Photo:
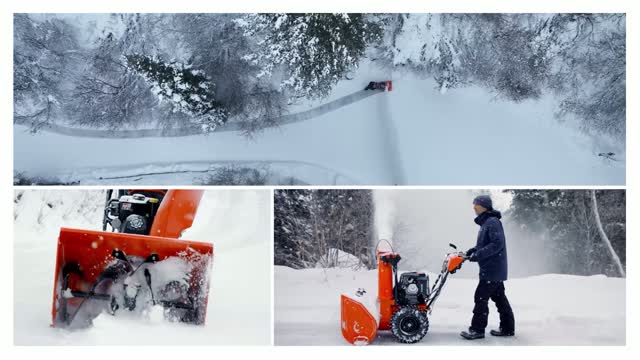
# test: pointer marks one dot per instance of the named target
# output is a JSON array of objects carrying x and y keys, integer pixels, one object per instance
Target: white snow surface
[
  {"x": 412, "y": 135},
  {"x": 549, "y": 309},
  {"x": 235, "y": 221}
]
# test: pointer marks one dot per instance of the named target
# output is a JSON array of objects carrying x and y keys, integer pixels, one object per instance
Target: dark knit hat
[{"x": 484, "y": 201}]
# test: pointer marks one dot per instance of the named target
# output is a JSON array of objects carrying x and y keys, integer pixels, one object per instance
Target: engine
[
  {"x": 412, "y": 289},
  {"x": 133, "y": 213}
]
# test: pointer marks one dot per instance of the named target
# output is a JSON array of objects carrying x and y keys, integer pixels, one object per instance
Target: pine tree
[
  {"x": 187, "y": 89},
  {"x": 291, "y": 227}
]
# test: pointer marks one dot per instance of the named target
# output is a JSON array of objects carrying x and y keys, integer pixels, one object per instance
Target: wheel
[{"x": 409, "y": 324}]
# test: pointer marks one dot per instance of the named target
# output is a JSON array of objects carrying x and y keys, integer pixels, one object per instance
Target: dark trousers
[{"x": 493, "y": 290}]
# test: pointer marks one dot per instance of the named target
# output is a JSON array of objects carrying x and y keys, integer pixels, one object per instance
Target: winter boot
[
  {"x": 501, "y": 333},
  {"x": 472, "y": 334}
]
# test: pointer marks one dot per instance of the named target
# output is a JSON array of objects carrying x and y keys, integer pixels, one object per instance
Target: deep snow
[
  {"x": 549, "y": 309},
  {"x": 413, "y": 135},
  {"x": 239, "y": 309}
]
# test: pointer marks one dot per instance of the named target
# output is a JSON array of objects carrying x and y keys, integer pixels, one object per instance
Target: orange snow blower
[
  {"x": 402, "y": 305},
  {"x": 386, "y": 85},
  {"x": 141, "y": 263}
]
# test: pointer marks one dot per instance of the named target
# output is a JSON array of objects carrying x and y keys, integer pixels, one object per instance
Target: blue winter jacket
[{"x": 491, "y": 250}]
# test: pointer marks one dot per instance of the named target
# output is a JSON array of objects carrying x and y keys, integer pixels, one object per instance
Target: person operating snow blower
[{"x": 490, "y": 253}]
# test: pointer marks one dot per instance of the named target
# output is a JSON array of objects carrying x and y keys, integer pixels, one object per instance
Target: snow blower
[
  {"x": 402, "y": 305},
  {"x": 386, "y": 85},
  {"x": 141, "y": 263}
]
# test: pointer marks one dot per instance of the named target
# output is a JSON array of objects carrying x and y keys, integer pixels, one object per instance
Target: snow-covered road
[
  {"x": 286, "y": 119},
  {"x": 549, "y": 309},
  {"x": 413, "y": 135}
]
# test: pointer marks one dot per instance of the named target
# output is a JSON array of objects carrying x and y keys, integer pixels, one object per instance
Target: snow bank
[
  {"x": 549, "y": 309},
  {"x": 236, "y": 221},
  {"x": 340, "y": 259}
]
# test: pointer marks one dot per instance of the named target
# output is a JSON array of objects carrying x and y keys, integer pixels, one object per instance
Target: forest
[{"x": 123, "y": 71}]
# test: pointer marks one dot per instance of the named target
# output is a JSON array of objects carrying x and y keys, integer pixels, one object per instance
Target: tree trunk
[{"x": 604, "y": 236}]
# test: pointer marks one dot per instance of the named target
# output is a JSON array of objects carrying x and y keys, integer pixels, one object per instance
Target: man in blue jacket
[{"x": 490, "y": 253}]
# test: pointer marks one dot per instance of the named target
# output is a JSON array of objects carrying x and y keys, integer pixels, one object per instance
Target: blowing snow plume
[
  {"x": 384, "y": 214},
  {"x": 547, "y": 231},
  {"x": 422, "y": 223}
]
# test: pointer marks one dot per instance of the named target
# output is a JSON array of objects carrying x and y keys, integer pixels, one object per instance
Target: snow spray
[{"x": 383, "y": 201}]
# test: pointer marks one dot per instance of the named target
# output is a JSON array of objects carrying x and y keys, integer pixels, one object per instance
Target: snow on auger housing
[
  {"x": 128, "y": 270},
  {"x": 402, "y": 305}
]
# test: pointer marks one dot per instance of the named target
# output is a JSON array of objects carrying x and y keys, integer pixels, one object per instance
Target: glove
[{"x": 471, "y": 254}]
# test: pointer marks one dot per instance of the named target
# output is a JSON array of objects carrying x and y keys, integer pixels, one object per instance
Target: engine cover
[
  {"x": 412, "y": 289},
  {"x": 139, "y": 205}
]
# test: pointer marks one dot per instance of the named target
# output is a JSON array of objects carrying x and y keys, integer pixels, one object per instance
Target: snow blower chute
[
  {"x": 140, "y": 264},
  {"x": 402, "y": 305}
]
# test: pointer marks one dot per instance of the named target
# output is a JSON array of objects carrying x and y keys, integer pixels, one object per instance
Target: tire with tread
[{"x": 409, "y": 324}]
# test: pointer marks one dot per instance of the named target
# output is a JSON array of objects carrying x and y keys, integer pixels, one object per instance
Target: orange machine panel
[
  {"x": 92, "y": 252},
  {"x": 176, "y": 213},
  {"x": 385, "y": 290},
  {"x": 455, "y": 263},
  {"x": 357, "y": 324}
]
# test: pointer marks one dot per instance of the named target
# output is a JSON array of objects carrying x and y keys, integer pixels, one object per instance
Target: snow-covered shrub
[
  {"x": 236, "y": 175},
  {"x": 26, "y": 180}
]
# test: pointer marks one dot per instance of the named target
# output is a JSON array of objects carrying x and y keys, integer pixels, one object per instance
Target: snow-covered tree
[
  {"x": 319, "y": 227},
  {"x": 314, "y": 51},
  {"x": 44, "y": 56},
  {"x": 427, "y": 43},
  {"x": 216, "y": 45},
  {"x": 588, "y": 52},
  {"x": 291, "y": 228},
  {"x": 187, "y": 89},
  {"x": 603, "y": 234},
  {"x": 105, "y": 93},
  {"x": 564, "y": 224}
]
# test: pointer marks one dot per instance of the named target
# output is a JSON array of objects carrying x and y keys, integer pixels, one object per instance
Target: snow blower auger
[
  {"x": 402, "y": 305},
  {"x": 128, "y": 270}
]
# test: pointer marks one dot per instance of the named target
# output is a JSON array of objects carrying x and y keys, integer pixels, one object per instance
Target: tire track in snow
[
  {"x": 389, "y": 138},
  {"x": 190, "y": 131},
  {"x": 202, "y": 166}
]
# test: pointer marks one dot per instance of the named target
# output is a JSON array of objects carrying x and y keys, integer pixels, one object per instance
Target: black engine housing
[
  {"x": 412, "y": 289},
  {"x": 133, "y": 214}
]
